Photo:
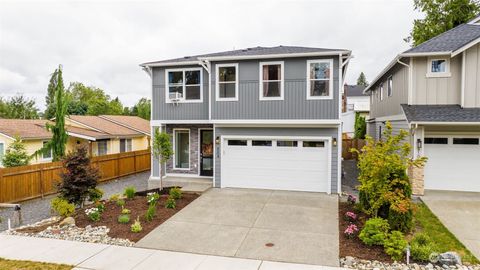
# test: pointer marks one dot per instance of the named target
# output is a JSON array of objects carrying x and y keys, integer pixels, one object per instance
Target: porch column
[
  {"x": 155, "y": 171},
  {"x": 416, "y": 175}
]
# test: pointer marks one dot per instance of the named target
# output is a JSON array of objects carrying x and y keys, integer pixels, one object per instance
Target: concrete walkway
[
  {"x": 105, "y": 257},
  {"x": 288, "y": 226},
  {"x": 460, "y": 213}
]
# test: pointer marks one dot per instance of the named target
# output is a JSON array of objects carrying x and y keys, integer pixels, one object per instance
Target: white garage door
[
  {"x": 273, "y": 163},
  {"x": 453, "y": 163}
]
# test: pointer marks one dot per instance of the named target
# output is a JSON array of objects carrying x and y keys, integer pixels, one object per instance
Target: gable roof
[
  {"x": 354, "y": 90},
  {"x": 133, "y": 122},
  {"x": 249, "y": 53},
  {"x": 26, "y": 129},
  {"x": 440, "y": 113},
  {"x": 102, "y": 125}
]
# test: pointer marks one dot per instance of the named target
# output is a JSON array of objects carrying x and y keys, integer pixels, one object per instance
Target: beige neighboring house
[{"x": 105, "y": 134}]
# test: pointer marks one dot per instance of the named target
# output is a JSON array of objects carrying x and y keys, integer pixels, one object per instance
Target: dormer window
[
  {"x": 184, "y": 85},
  {"x": 438, "y": 67}
]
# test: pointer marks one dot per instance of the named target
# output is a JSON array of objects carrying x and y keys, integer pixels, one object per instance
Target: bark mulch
[
  {"x": 138, "y": 207},
  {"x": 354, "y": 246}
]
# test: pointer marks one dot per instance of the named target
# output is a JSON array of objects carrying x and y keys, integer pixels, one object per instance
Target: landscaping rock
[
  {"x": 449, "y": 258},
  {"x": 354, "y": 263},
  {"x": 67, "y": 221}
]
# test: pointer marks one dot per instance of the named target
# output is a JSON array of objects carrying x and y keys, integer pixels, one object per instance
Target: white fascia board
[
  {"x": 445, "y": 123},
  {"x": 380, "y": 75},
  {"x": 166, "y": 64},
  {"x": 397, "y": 117},
  {"x": 270, "y": 122},
  {"x": 76, "y": 135},
  {"x": 9, "y": 137},
  {"x": 157, "y": 123},
  {"x": 425, "y": 54},
  {"x": 466, "y": 47},
  {"x": 268, "y": 56}
]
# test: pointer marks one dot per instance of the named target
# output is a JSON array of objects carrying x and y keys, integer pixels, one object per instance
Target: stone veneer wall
[
  {"x": 194, "y": 137},
  {"x": 417, "y": 179}
]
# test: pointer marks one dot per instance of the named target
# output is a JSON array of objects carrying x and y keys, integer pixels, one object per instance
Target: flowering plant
[
  {"x": 351, "y": 230},
  {"x": 350, "y": 216},
  {"x": 93, "y": 214},
  {"x": 351, "y": 199},
  {"x": 152, "y": 197}
]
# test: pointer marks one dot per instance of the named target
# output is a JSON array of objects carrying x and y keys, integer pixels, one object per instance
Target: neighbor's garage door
[
  {"x": 282, "y": 164},
  {"x": 453, "y": 163}
]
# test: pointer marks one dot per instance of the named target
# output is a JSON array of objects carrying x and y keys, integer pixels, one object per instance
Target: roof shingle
[
  {"x": 26, "y": 129},
  {"x": 440, "y": 113}
]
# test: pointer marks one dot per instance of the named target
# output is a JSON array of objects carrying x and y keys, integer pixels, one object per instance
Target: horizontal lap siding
[{"x": 245, "y": 131}]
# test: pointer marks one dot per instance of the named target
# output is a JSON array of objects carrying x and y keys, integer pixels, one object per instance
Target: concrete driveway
[
  {"x": 302, "y": 226},
  {"x": 460, "y": 213}
]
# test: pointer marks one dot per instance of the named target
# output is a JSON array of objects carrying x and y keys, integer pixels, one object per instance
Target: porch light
[
  {"x": 419, "y": 143},
  {"x": 217, "y": 140},
  {"x": 334, "y": 142}
]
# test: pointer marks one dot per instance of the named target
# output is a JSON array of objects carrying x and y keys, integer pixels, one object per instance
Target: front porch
[{"x": 188, "y": 184}]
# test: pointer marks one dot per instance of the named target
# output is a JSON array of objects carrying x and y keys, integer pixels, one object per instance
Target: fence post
[
  {"x": 1, "y": 183},
  {"x": 135, "y": 161}
]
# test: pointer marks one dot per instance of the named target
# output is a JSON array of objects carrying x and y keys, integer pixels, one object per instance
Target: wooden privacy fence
[
  {"x": 348, "y": 144},
  {"x": 34, "y": 181}
]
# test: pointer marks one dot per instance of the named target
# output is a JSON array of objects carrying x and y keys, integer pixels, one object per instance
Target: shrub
[
  {"x": 151, "y": 211},
  {"x": 120, "y": 202},
  {"x": 129, "y": 192},
  {"x": 170, "y": 203},
  {"x": 152, "y": 197},
  {"x": 93, "y": 214},
  {"x": 351, "y": 199},
  {"x": 400, "y": 221},
  {"x": 351, "y": 230},
  {"x": 95, "y": 194},
  {"x": 175, "y": 193},
  {"x": 125, "y": 211},
  {"x": 136, "y": 226},
  {"x": 421, "y": 247},
  {"x": 123, "y": 219},
  {"x": 374, "y": 232},
  {"x": 395, "y": 245},
  {"x": 62, "y": 207},
  {"x": 100, "y": 206},
  {"x": 78, "y": 177},
  {"x": 15, "y": 155},
  {"x": 350, "y": 216},
  {"x": 114, "y": 197}
]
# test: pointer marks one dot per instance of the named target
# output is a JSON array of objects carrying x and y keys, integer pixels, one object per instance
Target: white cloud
[{"x": 102, "y": 43}]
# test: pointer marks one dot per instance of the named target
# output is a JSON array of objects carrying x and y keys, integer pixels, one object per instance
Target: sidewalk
[{"x": 99, "y": 256}]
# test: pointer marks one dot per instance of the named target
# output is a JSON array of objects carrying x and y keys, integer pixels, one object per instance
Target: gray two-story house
[
  {"x": 433, "y": 92},
  {"x": 262, "y": 117}
]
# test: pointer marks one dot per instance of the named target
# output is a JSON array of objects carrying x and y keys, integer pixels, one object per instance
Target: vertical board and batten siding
[
  {"x": 397, "y": 125},
  {"x": 183, "y": 111},
  {"x": 294, "y": 105},
  {"x": 433, "y": 90},
  {"x": 34, "y": 181},
  {"x": 472, "y": 73},
  {"x": 390, "y": 105},
  {"x": 245, "y": 131}
]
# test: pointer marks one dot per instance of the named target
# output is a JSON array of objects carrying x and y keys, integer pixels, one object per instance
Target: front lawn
[
  {"x": 428, "y": 223},
  {"x": 28, "y": 265}
]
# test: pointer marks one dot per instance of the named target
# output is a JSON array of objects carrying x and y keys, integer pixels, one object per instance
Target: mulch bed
[
  {"x": 354, "y": 246},
  {"x": 138, "y": 207}
]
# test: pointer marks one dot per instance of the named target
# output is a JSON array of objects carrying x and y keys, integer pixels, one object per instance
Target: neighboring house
[
  {"x": 263, "y": 117},
  {"x": 433, "y": 92},
  {"x": 104, "y": 134},
  {"x": 355, "y": 101}
]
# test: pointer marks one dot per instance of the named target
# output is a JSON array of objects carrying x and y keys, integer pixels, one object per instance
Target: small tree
[
  {"x": 78, "y": 177},
  {"x": 360, "y": 126},
  {"x": 161, "y": 146},
  {"x": 385, "y": 189},
  {"x": 16, "y": 154},
  {"x": 362, "y": 80}
]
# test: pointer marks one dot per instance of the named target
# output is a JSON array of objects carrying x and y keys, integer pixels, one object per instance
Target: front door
[{"x": 206, "y": 152}]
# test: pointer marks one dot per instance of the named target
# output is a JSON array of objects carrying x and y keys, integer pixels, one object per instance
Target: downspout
[{"x": 339, "y": 127}]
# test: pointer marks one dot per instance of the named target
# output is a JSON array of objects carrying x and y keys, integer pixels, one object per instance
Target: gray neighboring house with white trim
[
  {"x": 433, "y": 92},
  {"x": 261, "y": 117}
]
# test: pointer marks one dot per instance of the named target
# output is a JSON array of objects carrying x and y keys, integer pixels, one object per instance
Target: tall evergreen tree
[
  {"x": 362, "y": 80},
  {"x": 440, "y": 16},
  {"x": 50, "y": 98}
]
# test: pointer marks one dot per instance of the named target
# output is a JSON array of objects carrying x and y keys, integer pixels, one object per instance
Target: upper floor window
[
  {"x": 381, "y": 91},
  {"x": 390, "y": 86},
  {"x": 319, "y": 79},
  {"x": 438, "y": 67},
  {"x": 227, "y": 82},
  {"x": 184, "y": 85},
  {"x": 271, "y": 80}
]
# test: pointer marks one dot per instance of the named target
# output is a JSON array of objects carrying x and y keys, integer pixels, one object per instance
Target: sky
[{"x": 102, "y": 43}]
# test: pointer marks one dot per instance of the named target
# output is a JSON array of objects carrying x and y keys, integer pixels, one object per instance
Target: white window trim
[
  {"x": 51, "y": 153},
  {"x": 389, "y": 79},
  {"x": 126, "y": 144},
  {"x": 183, "y": 100},
  {"x": 380, "y": 89},
  {"x": 217, "y": 83},
  {"x": 174, "y": 149},
  {"x": 330, "y": 84},
  {"x": 431, "y": 74},
  {"x": 282, "y": 73},
  {"x": 106, "y": 146}
]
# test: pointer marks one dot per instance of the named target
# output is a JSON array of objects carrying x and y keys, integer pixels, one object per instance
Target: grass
[
  {"x": 28, "y": 265},
  {"x": 444, "y": 240}
]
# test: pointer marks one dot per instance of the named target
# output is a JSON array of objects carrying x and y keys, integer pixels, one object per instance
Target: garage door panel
[{"x": 271, "y": 167}]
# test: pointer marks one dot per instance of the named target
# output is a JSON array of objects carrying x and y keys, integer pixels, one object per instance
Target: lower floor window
[
  {"x": 473, "y": 141},
  {"x": 436, "y": 140},
  {"x": 313, "y": 144},
  {"x": 47, "y": 155},
  {"x": 182, "y": 149},
  {"x": 2, "y": 150},
  {"x": 125, "y": 145},
  {"x": 102, "y": 147}
]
